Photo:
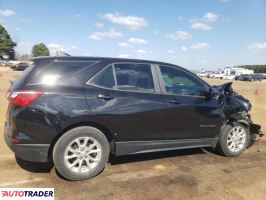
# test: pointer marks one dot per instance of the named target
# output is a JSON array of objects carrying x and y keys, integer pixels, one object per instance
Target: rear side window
[
  {"x": 134, "y": 77},
  {"x": 105, "y": 78},
  {"x": 126, "y": 76},
  {"x": 20, "y": 80},
  {"x": 57, "y": 71}
]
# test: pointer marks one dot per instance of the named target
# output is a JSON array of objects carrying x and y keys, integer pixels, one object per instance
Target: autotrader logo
[{"x": 27, "y": 193}]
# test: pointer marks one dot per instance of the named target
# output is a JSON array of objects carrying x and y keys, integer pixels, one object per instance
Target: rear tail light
[
  {"x": 23, "y": 97},
  {"x": 15, "y": 140}
]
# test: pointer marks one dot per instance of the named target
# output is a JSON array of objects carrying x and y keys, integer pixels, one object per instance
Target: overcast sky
[{"x": 194, "y": 34}]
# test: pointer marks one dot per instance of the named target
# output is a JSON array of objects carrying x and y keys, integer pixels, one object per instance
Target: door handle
[
  {"x": 105, "y": 97},
  {"x": 173, "y": 101}
]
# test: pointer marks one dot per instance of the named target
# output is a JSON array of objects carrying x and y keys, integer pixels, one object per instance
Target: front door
[{"x": 189, "y": 114}]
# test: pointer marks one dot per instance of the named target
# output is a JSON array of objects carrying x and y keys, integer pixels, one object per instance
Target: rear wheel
[
  {"x": 81, "y": 153},
  {"x": 234, "y": 139}
]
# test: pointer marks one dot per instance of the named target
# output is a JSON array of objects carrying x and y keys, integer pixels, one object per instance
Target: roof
[{"x": 107, "y": 59}]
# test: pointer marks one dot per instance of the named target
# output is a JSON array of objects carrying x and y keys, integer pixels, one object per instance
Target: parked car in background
[
  {"x": 253, "y": 77},
  {"x": 210, "y": 74},
  {"x": 228, "y": 77},
  {"x": 202, "y": 74},
  {"x": 263, "y": 76},
  {"x": 241, "y": 77},
  {"x": 11, "y": 65},
  {"x": 76, "y": 111},
  {"x": 218, "y": 75},
  {"x": 21, "y": 66}
]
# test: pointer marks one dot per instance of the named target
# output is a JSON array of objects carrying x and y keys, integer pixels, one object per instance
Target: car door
[
  {"x": 125, "y": 98},
  {"x": 190, "y": 114}
]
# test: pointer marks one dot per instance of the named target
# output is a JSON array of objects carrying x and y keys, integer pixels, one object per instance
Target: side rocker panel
[{"x": 136, "y": 147}]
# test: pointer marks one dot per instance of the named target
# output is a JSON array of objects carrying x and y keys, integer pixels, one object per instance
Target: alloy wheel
[
  {"x": 82, "y": 154},
  {"x": 236, "y": 139}
]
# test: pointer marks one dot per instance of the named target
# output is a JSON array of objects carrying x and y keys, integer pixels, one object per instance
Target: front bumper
[
  {"x": 255, "y": 129},
  {"x": 28, "y": 152}
]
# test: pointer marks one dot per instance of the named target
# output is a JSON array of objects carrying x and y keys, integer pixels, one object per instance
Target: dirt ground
[{"x": 185, "y": 174}]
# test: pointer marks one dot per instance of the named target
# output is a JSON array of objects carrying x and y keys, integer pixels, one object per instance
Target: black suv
[{"x": 76, "y": 111}]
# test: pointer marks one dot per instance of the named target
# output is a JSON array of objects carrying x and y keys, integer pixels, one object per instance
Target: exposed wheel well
[
  {"x": 231, "y": 121},
  {"x": 100, "y": 127},
  {"x": 242, "y": 122}
]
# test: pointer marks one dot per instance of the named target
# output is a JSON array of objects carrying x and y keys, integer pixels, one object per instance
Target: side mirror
[
  {"x": 211, "y": 92},
  {"x": 214, "y": 93}
]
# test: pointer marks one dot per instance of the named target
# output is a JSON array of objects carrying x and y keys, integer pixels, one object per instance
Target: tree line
[
  {"x": 256, "y": 68},
  {"x": 7, "y": 46}
]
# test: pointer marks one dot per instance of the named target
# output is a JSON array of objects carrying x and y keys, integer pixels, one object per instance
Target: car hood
[{"x": 230, "y": 101}]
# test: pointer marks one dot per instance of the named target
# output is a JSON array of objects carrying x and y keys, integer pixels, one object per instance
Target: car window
[
  {"x": 57, "y": 71},
  {"x": 136, "y": 77},
  {"x": 178, "y": 82},
  {"x": 105, "y": 78},
  {"x": 21, "y": 79}
]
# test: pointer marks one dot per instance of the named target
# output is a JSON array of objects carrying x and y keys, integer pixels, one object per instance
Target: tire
[
  {"x": 226, "y": 145},
  {"x": 81, "y": 153}
]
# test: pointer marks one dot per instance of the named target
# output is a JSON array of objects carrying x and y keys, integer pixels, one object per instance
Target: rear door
[{"x": 126, "y": 98}]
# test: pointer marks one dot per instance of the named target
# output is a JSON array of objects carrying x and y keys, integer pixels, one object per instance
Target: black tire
[
  {"x": 69, "y": 137},
  {"x": 223, "y": 147}
]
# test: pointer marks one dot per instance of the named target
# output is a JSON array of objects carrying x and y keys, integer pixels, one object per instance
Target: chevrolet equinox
[{"x": 76, "y": 111}]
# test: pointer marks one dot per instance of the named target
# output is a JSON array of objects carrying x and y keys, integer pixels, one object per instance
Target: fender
[
  {"x": 255, "y": 129},
  {"x": 243, "y": 121}
]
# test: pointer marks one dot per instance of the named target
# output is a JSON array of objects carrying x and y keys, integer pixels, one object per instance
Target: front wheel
[
  {"x": 81, "y": 153},
  {"x": 234, "y": 139}
]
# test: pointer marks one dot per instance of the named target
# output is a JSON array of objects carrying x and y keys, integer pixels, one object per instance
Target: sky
[{"x": 195, "y": 34}]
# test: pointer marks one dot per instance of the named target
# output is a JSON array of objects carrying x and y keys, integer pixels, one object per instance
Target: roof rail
[{"x": 61, "y": 53}]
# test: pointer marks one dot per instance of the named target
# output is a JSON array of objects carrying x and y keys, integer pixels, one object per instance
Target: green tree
[
  {"x": 40, "y": 50},
  {"x": 6, "y": 44},
  {"x": 256, "y": 68}
]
